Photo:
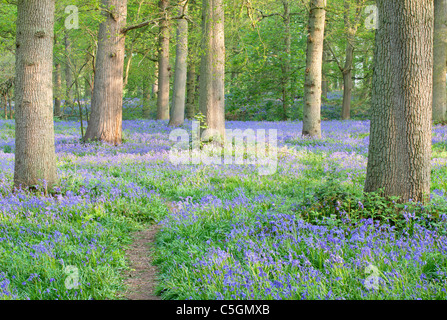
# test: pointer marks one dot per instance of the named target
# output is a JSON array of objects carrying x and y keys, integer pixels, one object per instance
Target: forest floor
[{"x": 127, "y": 223}]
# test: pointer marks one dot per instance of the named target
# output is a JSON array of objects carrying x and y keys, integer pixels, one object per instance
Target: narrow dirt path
[{"x": 141, "y": 279}]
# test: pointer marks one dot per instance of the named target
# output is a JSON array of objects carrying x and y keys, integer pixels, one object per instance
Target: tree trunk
[
  {"x": 57, "y": 90},
  {"x": 347, "y": 82},
  {"x": 286, "y": 94},
  {"x": 367, "y": 84},
  {"x": 339, "y": 84},
  {"x": 191, "y": 91},
  {"x": 57, "y": 87},
  {"x": 11, "y": 112},
  {"x": 146, "y": 101},
  {"x": 87, "y": 96},
  {"x": 212, "y": 67},
  {"x": 155, "y": 84},
  {"x": 128, "y": 65},
  {"x": 312, "y": 83},
  {"x": 105, "y": 123},
  {"x": 347, "y": 68},
  {"x": 5, "y": 101},
  {"x": 35, "y": 157},
  {"x": 400, "y": 139},
  {"x": 194, "y": 47},
  {"x": 68, "y": 71},
  {"x": 324, "y": 88},
  {"x": 439, "y": 62},
  {"x": 324, "y": 81},
  {"x": 150, "y": 93},
  {"x": 163, "y": 65},
  {"x": 181, "y": 62},
  {"x": 87, "y": 89}
]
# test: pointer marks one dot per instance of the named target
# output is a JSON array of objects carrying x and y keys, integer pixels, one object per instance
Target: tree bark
[
  {"x": 105, "y": 123},
  {"x": 35, "y": 157},
  {"x": 180, "y": 76},
  {"x": 347, "y": 80},
  {"x": 191, "y": 90},
  {"x": 400, "y": 138},
  {"x": 314, "y": 61},
  {"x": 439, "y": 62},
  {"x": 163, "y": 64},
  {"x": 212, "y": 67}
]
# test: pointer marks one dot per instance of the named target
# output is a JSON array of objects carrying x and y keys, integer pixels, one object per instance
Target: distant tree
[
  {"x": 212, "y": 67},
  {"x": 313, "y": 77},
  {"x": 194, "y": 40},
  {"x": 180, "y": 76},
  {"x": 6, "y": 80},
  {"x": 400, "y": 139},
  {"x": 69, "y": 92},
  {"x": 324, "y": 77},
  {"x": 35, "y": 157},
  {"x": 163, "y": 63},
  {"x": 280, "y": 19},
  {"x": 150, "y": 92},
  {"x": 57, "y": 88},
  {"x": 351, "y": 26},
  {"x": 439, "y": 62},
  {"x": 286, "y": 92},
  {"x": 105, "y": 123},
  {"x": 191, "y": 89},
  {"x": 5, "y": 91}
]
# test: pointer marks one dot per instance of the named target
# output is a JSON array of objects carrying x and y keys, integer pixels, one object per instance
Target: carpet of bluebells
[{"x": 232, "y": 234}]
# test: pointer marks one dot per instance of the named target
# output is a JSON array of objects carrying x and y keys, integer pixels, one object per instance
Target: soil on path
[{"x": 141, "y": 278}]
